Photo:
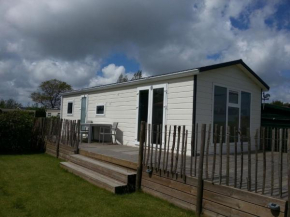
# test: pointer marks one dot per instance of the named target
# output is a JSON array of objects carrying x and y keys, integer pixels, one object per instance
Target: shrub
[{"x": 16, "y": 133}]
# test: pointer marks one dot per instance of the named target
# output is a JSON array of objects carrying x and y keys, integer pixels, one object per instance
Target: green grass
[{"x": 35, "y": 185}]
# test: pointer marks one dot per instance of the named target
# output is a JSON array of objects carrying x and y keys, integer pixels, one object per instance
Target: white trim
[
  {"x": 100, "y": 104},
  {"x": 70, "y": 114},
  {"x": 86, "y": 114}
]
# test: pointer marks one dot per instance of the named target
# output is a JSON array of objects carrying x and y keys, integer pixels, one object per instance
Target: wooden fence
[
  {"x": 260, "y": 168},
  {"x": 62, "y": 137}
]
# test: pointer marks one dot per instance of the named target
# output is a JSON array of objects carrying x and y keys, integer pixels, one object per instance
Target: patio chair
[
  {"x": 84, "y": 130},
  {"x": 112, "y": 131}
]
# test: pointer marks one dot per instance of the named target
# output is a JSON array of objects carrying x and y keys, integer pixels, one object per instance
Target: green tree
[
  {"x": 279, "y": 103},
  {"x": 137, "y": 75},
  {"x": 9, "y": 104},
  {"x": 48, "y": 93},
  {"x": 122, "y": 78}
]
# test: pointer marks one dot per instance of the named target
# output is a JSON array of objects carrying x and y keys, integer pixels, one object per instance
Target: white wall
[
  {"x": 231, "y": 77},
  {"x": 120, "y": 106}
]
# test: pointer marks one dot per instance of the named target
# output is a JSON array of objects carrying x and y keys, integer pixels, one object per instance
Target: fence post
[
  {"x": 200, "y": 173},
  {"x": 59, "y": 123},
  {"x": 140, "y": 157},
  {"x": 78, "y": 142}
]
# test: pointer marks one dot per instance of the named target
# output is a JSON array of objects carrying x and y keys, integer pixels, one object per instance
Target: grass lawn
[{"x": 35, "y": 185}]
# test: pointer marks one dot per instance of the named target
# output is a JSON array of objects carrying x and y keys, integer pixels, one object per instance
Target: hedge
[{"x": 16, "y": 133}]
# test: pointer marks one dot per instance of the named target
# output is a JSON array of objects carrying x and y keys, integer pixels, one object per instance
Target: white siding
[
  {"x": 230, "y": 77},
  {"x": 76, "y": 107},
  {"x": 120, "y": 106}
]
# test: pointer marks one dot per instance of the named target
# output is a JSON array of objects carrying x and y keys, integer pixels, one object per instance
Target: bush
[{"x": 16, "y": 133}]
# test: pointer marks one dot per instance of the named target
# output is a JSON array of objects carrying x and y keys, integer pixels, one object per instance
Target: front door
[{"x": 151, "y": 108}]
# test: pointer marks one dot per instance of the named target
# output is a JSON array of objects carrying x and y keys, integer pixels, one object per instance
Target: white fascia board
[{"x": 135, "y": 82}]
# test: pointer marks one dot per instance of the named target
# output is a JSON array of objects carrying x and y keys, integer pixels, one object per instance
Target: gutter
[{"x": 135, "y": 82}]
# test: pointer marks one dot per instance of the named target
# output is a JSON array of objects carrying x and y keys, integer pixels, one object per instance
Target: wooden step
[
  {"x": 112, "y": 160},
  {"x": 95, "y": 178},
  {"x": 122, "y": 174}
]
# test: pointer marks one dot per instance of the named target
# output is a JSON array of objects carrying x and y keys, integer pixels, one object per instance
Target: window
[
  {"x": 100, "y": 109},
  {"x": 231, "y": 108},
  {"x": 48, "y": 114},
  {"x": 69, "y": 108}
]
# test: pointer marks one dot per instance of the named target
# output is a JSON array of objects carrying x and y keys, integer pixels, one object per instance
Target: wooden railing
[{"x": 256, "y": 164}]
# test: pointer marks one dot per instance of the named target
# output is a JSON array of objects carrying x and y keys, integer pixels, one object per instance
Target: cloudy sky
[{"x": 91, "y": 42}]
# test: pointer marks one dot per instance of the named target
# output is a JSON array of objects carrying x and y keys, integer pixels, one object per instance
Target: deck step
[
  {"x": 96, "y": 178},
  {"x": 122, "y": 174}
]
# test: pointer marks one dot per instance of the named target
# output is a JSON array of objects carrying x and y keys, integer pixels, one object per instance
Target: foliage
[
  {"x": 35, "y": 185},
  {"x": 49, "y": 92},
  {"x": 122, "y": 78},
  {"x": 280, "y": 103},
  {"x": 137, "y": 75},
  {"x": 39, "y": 112},
  {"x": 9, "y": 104},
  {"x": 16, "y": 133}
]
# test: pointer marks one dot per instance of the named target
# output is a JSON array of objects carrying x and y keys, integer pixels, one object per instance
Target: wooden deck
[{"x": 128, "y": 156}]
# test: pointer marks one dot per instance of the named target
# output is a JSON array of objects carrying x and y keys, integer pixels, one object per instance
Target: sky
[{"x": 91, "y": 42}]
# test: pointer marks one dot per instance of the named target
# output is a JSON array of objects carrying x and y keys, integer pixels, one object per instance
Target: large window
[
  {"x": 69, "y": 108},
  {"x": 231, "y": 108}
]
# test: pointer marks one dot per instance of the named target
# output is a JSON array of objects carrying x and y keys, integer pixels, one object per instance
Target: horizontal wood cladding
[{"x": 217, "y": 200}]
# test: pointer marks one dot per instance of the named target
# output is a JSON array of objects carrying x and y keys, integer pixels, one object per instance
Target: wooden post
[
  {"x": 288, "y": 171},
  {"x": 280, "y": 169},
  {"x": 152, "y": 148},
  {"x": 272, "y": 160},
  {"x": 199, "y": 194},
  {"x": 192, "y": 147},
  {"x": 182, "y": 150},
  {"x": 264, "y": 162},
  {"x": 214, "y": 153},
  {"x": 195, "y": 149},
  {"x": 160, "y": 148},
  {"x": 177, "y": 151},
  {"x": 242, "y": 160},
  {"x": 167, "y": 154},
  {"x": 228, "y": 156},
  {"x": 184, "y": 163},
  {"x": 256, "y": 160},
  {"x": 249, "y": 161},
  {"x": 78, "y": 136},
  {"x": 164, "y": 152},
  {"x": 236, "y": 158},
  {"x": 221, "y": 155},
  {"x": 59, "y": 122},
  {"x": 140, "y": 157},
  {"x": 172, "y": 150},
  {"x": 145, "y": 145},
  {"x": 156, "y": 147},
  {"x": 207, "y": 151}
]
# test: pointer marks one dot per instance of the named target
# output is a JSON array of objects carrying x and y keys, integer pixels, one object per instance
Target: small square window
[
  {"x": 48, "y": 114},
  {"x": 100, "y": 109},
  {"x": 233, "y": 97},
  {"x": 69, "y": 108}
]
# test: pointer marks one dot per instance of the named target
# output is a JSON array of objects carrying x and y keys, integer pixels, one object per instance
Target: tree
[
  {"x": 9, "y": 104},
  {"x": 122, "y": 78},
  {"x": 49, "y": 92},
  {"x": 137, "y": 75},
  {"x": 279, "y": 103}
]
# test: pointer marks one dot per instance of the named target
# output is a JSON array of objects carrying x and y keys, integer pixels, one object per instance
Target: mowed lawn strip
[{"x": 35, "y": 185}]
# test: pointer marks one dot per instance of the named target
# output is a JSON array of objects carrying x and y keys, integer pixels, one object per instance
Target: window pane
[
  {"x": 245, "y": 112},
  {"x": 100, "y": 109},
  {"x": 233, "y": 120},
  {"x": 143, "y": 109},
  {"x": 220, "y": 106},
  {"x": 69, "y": 107},
  {"x": 157, "y": 113},
  {"x": 233, "y": 97}
]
